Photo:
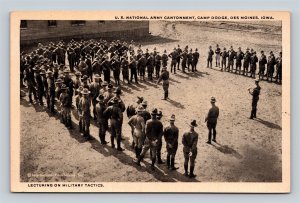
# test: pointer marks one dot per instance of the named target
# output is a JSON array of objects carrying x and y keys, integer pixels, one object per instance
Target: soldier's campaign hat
[
  {"x": 261, "y": 51},
  {"x": 77, "y": 73},
  {"x": 64, "y": 87},
  {"x": 196, "y": 49},
  {"x": 67, "y": 70},
  {"x": 172, "y": 118},
  {"x": 224, "y": 48},
  {"x": 85, "y": 77},
  {"x": 193, "y": 123},
  {"x": 36, "y": 68},
  {"x": 110, "y": 86},
  {"x": 97, "y": 76},
  {"x": 154, "y": 49},
  {"x": 104, "y": 83},
  {"x": 115, "y": 100},
  {"x": 165, "y": 51},
  {"x": 100, "y": 98},
  {"x": 209, "y": 47},
  {"x": 80, "y": 88},
  {"x": 140, "y": 98},
  {"x": 58, "y": 80},
  {"x": 144, "y": 103},
  {"x": 118, "y": 91},
  {"x": 256, "y": 80},
  {"x": 239, "y": 48},
  {"x": 164, "y": 68},
  {"x": 213, "y": 100},
  {"x": 43, "y": 72},
  {"x": 271, "y": 52},
  {"x": 85, "y": 91},
  {"x": 49, "y": 72},
  {"x": 247, "y": 49},
  {"x": 154, "y": 111},
  {"x": 140, "y": 109}
]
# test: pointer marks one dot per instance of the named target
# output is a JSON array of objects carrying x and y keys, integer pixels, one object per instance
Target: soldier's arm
[
  {"x": 183, "y": 140},
  {"x": 195, "y": 141}
]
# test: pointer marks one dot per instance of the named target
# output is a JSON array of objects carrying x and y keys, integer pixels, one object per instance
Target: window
[
  {"x": 77, "y": 22},
  {"x": 52, "y": 23},
  {"x": 101, "y": 22},
  {"x": 23, "y": 24}
]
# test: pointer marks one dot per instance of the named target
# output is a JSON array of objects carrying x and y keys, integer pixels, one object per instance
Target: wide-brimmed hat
[
  {"x": 140, "y": 109},
  {"x": 140, "y": 98},
  {"x": 115, "y": 100},
  {"x": 154, "y": 111},
  {"x": 144, "y": 103},
  {"x": 172, "y": 118},
  {"x": 67, "y": 70},
  {"x": 80, "y": 88},
  {"x": 97, "y": 76},
  {"x": 85, "y": 77},
  {"x": 43, "y": 72},
  {"x": 100, "y": 98},
  {"x": 159, "y": 114},
  {"x": 212, "y": 99},
  {"x": 78, "y": 73},
  {"x": 118, "y": 90},
  {"x": 85, "y": 91},
  {"x": 64, "y": 87},
  {"x": 58, "y": 80},
  {"x": 256, "y": 80},
  {"x": 110, "y": 86},
  {"x": 104, "y": 83},
  {"x": 193, "y": 123}
]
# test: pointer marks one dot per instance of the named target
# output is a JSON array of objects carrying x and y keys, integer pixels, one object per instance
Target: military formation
[
  {"x": 76, "y": 77},
  {"x": 245, "y": 63}
]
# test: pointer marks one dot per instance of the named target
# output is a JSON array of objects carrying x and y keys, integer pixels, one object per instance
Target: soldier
[
  {"x": 231, "y": 57},
  {"x": 190, "y": 60},
  {"x": 69, "y": 83},
  {"x": 239, "y": 57},
  {"x": 158, "y": 64},
  {"x": 154, "y": 130},
  {"x": 210, "y": 57},
  {"x": 262, "y": 65},
  {"x": 77, "y": 100},
  {"x": 179, "y": 51},
  {"x": 255, "y": 97},
  {"x": 146, "y": 115},
  {"x": 114, "y": 113},
  {"x": 71, "y": 58},
  {"x": 173, "y": 57},
  {"x": 142, "y": 63},
  {"x": 106, "y": 69},
  {"x": 58, "y": 84},
  {"x": 108, "y": 95},
  {"x": 104, "y": 88},
  {"x": 50, "y": 92},
  {"x": 125, "y": 69},
  {"x": 131, "y": 109},
  {"x": 77, "y": 81},
  {"x": 39, "y": 85},
  {"x": 85, "y": 83},
  {"x": 137, "y": 124},
  {"x": 270, "y": 66},
  {"x": 95, "y": 89},
  {"x": 150, "y": 66},
  {"x": 171, "y": 133},
  {"x": 279, "y": 68},
  {"x": 189, "y": 141},
  {"x": 253, "y": 62},
  {"x": 165, "y": 78},
  {"x": 159, "y": 145},
  {"x": 196, "y": 56},
  {"x": 247, "y": 58},
  {"x": 211, "y": 120},
  {"x": 89, "y": 70},
  {"x": 96, "y": 66},
  {"x": 116, "y": 67},
  {"x": 82, "y": 67},
  {"x": 133, "y": 69},
  {"x": 29, "y": 78},
  {"x": 45, "y": 84},
  {"x": 224, "y": 55},
  {"x": 65, "y": 107},
  {"x": 218, "y": 54},
  {"x": 164, "y": 59},
  {"x": 85, "y": 113},
  {"x": 184, "y": 57},
  {"x": 102, "y": 121}
]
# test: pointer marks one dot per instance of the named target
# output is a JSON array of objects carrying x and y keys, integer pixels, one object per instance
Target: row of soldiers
[{"x": 246, "y": 62}]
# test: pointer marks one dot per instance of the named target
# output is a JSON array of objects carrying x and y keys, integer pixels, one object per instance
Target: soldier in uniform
[
  {"x": 224, "y": 55},
  {"x": 231, "y": 57},
  {"x": 106, "y": 69},
  {"x": 95, "y": 89},
  {"x": 158, "y": 64},
  {"x": 255, "y": 97},
  {"x": 253, "y": 62},
  {"x": 189, "y": 141},
  {"x": 137, "y": 124},
  {"x": 211, "y": 120},
  {"x": 173, "y": 57},
  {"x": 77, "y": 81},
  {"x": 39, "y": 85},
  {"x": 210, "y": 57},
  {"x": 102, "y": 121},
  {"x": 179, "y": 51},
  {"x": 133, "y": 69},
  {"x": 114, "y": 113},
  {"x": 184, "y": 57},
  {"x": 82, "y": 67},
  {"x": 125, "y": 69},
  {"x": 196, "y": 56},
  {"x": 65, "y": 107},
  {"x": 247, "y": 58},
  {"x": 29, "y": 78},
  {"x": 279, "y": 68},
  {"x": 164, "y": 59},
  {"x": 51, "y": 91},
  {"x": 108, "y": 95},
  {"x": 218, "y": 52},
  {"x": 159, "y": 145},
  {"x": 262, "y": 65},
  {"x": 171, "y": 133},
  {"x": 77, "y": 100},
  {"x": 85, "y": 112},
  {"x": 154, "y": 130},
  {"x": 116, "y": 67},
  {"x": 69, "y": 83},
  {"x": 165, "y": 78},
  {"x": 239, "y": 57},
  {"x": 190, "y": 60},
  {"x": 270, "y": 66}
]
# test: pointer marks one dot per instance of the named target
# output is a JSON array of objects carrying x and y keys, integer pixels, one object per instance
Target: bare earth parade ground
[{"x": 247, "y": 150}]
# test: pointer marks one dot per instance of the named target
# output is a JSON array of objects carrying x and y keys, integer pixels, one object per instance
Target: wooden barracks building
[{"x": 33, "y": 31}]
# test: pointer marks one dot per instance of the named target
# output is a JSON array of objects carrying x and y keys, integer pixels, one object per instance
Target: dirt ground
[{"x": 247, "y": 150}]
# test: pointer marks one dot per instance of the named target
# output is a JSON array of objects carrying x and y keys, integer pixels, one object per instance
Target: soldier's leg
[
  {"x": 112, "y": 135},
  {"x": 186, "y": 163},
  {"x": 159, "y": 146},
  {"x": 145, "y": 148},
  {"x": 209, "y": 133},
  {"x": 118, "y": 136},
  {"x": 153, "y": 155},
  {"x": 168, "y": 158},
  {"x": 214, "y": 133},
  {"x": 192, "y": 166}
]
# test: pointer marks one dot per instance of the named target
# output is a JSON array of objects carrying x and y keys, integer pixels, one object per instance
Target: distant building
[{"x": 43, "y": 30}]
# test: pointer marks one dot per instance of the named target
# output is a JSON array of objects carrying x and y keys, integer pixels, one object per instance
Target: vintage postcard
[{"x": 150, "y": 101}]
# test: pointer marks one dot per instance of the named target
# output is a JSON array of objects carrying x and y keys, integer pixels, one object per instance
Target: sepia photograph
[{"x": 150, "y": 102}]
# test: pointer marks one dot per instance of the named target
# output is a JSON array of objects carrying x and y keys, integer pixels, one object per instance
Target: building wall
[{"x": 39, "y": 30}]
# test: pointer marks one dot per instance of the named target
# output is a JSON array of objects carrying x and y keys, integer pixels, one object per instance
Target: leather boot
[
  {"x": 168, "y": 162},
  {"x": 159, "y": 161},
  {"x": 112, "y": 139},
  {"x": 173, "y": 164},
  {"x": 152, "y": 164},
  {"x": 186, "y": 170},
  {"x": 192, "y": 175}
]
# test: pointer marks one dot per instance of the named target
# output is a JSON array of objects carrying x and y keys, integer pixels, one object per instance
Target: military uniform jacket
[
  {"x": 113, "y": 112},
  {"x": 271, "y": 61},
  {"x": 100, "y": 108},
  {"x": 262, "y": 61},
  {"x": 95, "y": 88},
  {"x": 239, "y": 57},
  {"x": 231, "y": 55},
  {"x": 189, "y": 141},
  {"x": 84, "y": 107},
  {"x": 173, "y": 55},
  {"x": 218, "y": 51},
  {"x": 64, "y": 99},
  {"x": 212, "y": 115},
  {"x": 154, "y": 129},
  {"x": 171, "y": 136},
  {"x": 210, "y": 54},
  {"x": 164, "y": 58},
  {"x": 253, "y": 61},
  {"x": 196, "y": 56},
  {"x": 137, "y": 122},
  {"x": 247, "y": 57},
  {"x": 256, "y": 93},
  {"x": 142, "y": 62}
]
